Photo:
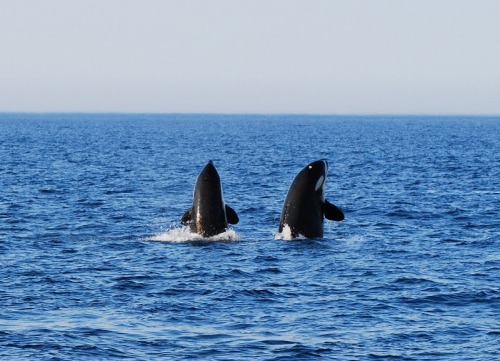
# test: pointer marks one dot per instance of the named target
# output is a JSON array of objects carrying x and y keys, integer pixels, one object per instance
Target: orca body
[
  {"x": 305, "y": 204},
  {"x": 209, "y": 215}
]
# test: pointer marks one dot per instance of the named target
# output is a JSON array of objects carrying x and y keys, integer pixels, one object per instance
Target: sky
[{"x": 251, "y": 56}]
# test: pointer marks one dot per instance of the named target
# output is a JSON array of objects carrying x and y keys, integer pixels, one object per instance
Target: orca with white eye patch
[{"x": 305, "y": 204}]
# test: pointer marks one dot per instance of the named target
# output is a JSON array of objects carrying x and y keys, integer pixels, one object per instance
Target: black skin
[
  {"x": 209, "y": 215},
  {"x": 305, "y": 208}
]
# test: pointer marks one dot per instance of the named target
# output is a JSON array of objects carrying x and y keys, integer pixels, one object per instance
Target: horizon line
[{"x": 256, "y": 113}]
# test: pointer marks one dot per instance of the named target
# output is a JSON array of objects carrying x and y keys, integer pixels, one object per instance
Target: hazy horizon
[
  {"x": 268, "y": 114},
  {"x": 316, "y": 57}
]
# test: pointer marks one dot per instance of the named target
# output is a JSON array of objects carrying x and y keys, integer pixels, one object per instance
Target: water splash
[
  {"x": 355, "y": 238},
  {"x": 286, "y": 234},
  {"x": 184, "y": 234}
]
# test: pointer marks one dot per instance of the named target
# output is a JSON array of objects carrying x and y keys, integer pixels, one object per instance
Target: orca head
[
  {"x": 313, "y": 177},
  {"x": 209, "y": 174},
  {"x": 208, "y": 181}
]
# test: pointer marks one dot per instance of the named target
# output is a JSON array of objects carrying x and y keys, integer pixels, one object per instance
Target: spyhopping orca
[
  {"x": 305, "y": 204},
  {"x": 209, "y": 215}
]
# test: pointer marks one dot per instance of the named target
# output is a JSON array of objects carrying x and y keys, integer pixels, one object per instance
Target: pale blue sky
[{"x": 255, "y": 56}]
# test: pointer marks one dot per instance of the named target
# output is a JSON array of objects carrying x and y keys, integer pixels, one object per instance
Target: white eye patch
[{"x": 319, "y": 183}]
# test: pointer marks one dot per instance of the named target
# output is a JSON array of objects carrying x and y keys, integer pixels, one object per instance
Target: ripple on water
[{"x": 93, "y": 266}]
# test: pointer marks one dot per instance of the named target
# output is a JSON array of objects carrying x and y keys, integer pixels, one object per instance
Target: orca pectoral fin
[
  {"x": 232, "y": 217},
  {"x": 332, "y": 212},
  {"x": 187, "y": 217}
]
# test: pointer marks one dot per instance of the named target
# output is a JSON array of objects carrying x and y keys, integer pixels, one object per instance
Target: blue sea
[{"x": 95, "y": 264}]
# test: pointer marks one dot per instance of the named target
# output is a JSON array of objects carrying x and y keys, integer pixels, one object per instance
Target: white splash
[
  {"x": 354, "y": 238},
  {"x": 184, "y": 234},
  {"x": 286, "y": 234}
]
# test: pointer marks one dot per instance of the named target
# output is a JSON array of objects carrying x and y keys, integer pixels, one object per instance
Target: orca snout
[
  {"x": 209, "y": 172},
  {"x": 325, "y": 165},
  {"x": 210, "y": 166}
]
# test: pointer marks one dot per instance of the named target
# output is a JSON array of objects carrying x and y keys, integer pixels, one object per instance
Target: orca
[
  {"x": 305, "y": 204},
  {"x": 209, "y": 215}
]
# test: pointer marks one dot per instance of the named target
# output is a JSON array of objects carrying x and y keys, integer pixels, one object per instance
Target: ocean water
[{"x": 95, "y": 264}]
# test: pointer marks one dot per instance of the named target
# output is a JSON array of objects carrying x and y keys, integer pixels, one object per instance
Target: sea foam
[{"x": 184, "y": 234}]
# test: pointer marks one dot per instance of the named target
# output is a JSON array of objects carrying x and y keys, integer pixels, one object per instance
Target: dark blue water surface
[{"x": 95, "y": 265}]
